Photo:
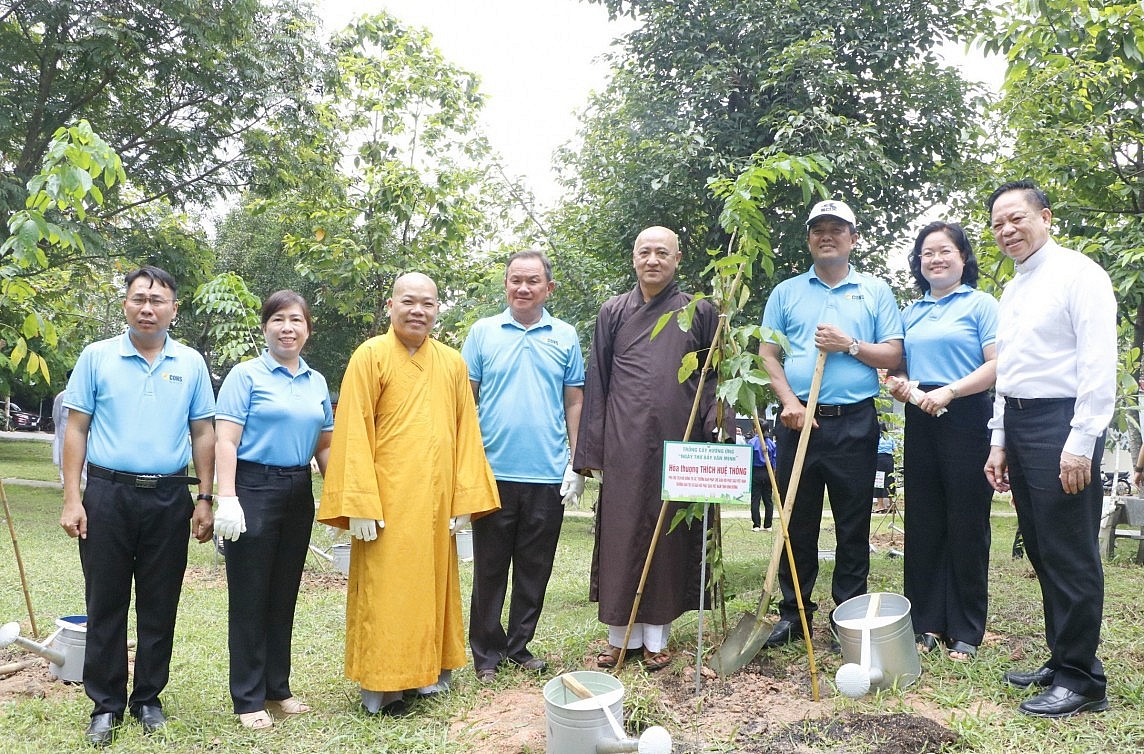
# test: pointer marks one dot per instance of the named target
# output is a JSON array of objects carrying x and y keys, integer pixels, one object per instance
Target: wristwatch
[
  {"x": 854, "y": 346},
  {"x": 205, "y": 497}
]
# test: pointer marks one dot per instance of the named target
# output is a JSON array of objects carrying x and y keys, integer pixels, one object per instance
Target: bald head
[
  {"x": 413, "y": 308},
  {"x": 655, "y": 257}
]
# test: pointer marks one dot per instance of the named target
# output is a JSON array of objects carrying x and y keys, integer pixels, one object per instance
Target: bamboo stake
[{"x": 19, "y": 560}]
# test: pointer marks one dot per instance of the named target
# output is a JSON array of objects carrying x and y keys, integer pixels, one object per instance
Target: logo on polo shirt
[
  {"x": 171, "y": 377},
  {"x": 854, "y": 296}
]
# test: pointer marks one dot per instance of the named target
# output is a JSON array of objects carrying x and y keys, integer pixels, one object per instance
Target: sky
[{"x": 538, "y": 60}]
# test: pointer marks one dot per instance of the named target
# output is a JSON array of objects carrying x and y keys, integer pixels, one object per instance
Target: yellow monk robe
[{"x": 407, "y": 451}]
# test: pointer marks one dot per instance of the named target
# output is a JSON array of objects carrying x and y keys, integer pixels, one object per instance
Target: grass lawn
[
  {"x": 27, "y": 459},
  {"x": 968, "y": 698}
]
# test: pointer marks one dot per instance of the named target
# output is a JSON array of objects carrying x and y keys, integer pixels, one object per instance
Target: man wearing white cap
[{"x": 854, "y": 318}]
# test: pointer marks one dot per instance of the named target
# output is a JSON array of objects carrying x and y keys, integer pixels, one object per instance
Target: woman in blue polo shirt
[
  {"x": 273, "y": 416},
  {"x": 950, "y": 353}
]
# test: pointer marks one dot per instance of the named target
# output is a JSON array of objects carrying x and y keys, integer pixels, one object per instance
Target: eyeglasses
[
  {"x": 155, "y": 301},
  {"x": 942, "y": 253}
]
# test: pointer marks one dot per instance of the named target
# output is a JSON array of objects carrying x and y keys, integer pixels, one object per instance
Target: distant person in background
[
  {"x": 60, "y": 422},
  {"x": 884, "y": 470},
  {"x": 273, "y": 416},
  {"x": 950, "y": 351},
  {"x": 761, "y": 480}
]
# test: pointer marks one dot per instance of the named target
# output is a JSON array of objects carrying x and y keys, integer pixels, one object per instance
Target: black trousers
[
  {"x": 761, "y": 493},
  {"x": 141, "y": 535},
  {"x": 523, "y": 534},
  {"x": 840, "y": 460},
  {"x": 947, "y": 518},
  {"x": 1060, "y": 533},
  {"x": 263, "y": 571}
]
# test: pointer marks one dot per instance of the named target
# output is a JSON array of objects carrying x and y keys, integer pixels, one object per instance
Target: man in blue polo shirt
[
  {"x": 854, "y": 318},
  {"x": 140, "y": 405},
  {"x": 527, "y": 374}
]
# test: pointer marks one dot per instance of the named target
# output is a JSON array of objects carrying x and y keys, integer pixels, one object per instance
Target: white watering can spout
[
  {"x": 853, "y": 680},
  {"x": 654, "y": 740},
  {"x": 10, "y": 634}
]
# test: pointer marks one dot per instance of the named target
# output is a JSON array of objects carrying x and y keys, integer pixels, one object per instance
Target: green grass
[
  {"x": 27, "y": 459},
  {"x": 984, "y": 710}
]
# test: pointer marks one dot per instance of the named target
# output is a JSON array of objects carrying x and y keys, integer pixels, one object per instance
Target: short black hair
[
  {"x": 530, "y": 254},
  {"x": 279, "y": 300},
  {"x": 155, "y": 275},
  {"x": 968, "y": 276},
  {"x": 1033, "y": 193}
]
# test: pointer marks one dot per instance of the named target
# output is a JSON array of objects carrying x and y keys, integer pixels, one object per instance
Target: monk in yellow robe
[{"x": 407, "y": 467}]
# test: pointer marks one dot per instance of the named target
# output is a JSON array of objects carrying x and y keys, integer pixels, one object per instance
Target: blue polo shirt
[
  {"x": 860, "y": 305},
  {"x": 945, "y": 337},
  {"x": 282, "y": 414},
  {"x": 140, "y": 412},
  {"x": 522, "y": 374}
]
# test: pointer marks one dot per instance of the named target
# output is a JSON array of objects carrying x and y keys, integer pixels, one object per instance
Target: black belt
[
  {"x": 141, "y": 481},
  {"x": 842, "y": 409},
  {"x": 265, "y": 469},
  {"x": 1026, "y": 403}
]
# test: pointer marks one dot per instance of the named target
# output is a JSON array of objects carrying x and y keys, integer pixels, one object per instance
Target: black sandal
[
  {"x": 960, "y": 647},
  {"x": 926, "y": 642}
]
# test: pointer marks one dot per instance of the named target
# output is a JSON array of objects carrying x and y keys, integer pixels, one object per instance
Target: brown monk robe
[{"x": 633, "y": 402}]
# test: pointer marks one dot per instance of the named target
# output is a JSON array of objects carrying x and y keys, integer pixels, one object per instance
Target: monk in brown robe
[
  {"x": 406, "y": 469},
  {"x": 633, "y": 402}
]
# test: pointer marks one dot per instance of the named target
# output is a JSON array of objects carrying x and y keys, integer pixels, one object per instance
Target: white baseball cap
[{"x": 831, "y": 208}]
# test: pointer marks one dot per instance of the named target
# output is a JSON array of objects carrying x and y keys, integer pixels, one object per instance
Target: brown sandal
[
  {"x": 653, "y": 661},
  {"x": 608, "y": 658}
]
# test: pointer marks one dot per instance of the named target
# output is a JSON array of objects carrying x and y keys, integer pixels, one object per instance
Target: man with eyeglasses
[
  {"x": 140, "y": 406},
  {"x": 854, "y": 318}
]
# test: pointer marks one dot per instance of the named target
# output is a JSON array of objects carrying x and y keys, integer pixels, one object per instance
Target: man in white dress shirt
[{"x": 1056, "y": 382}]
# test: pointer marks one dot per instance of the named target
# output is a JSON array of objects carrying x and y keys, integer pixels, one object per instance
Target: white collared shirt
[{"x": 1056, "y": 338}]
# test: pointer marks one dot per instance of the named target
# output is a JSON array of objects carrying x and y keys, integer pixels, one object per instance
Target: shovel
[{"x": 746, "y": 639}]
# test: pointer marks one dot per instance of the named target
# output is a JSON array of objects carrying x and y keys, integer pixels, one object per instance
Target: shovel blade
[{"x": 741, "y": 645}]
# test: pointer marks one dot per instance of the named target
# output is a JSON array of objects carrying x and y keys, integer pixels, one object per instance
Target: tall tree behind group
[
  {"x": 1071, "y": 117},
  {"x": 702, "y": 86},
  {"x": 173, "y": 90}
]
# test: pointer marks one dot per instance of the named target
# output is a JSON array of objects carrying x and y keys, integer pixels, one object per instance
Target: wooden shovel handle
[
  {"x": 575, "y": 686},
  {"x": 792, "y": 487}
]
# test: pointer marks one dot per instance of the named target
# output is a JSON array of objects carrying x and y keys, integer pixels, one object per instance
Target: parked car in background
[{"x": 19, "y": 419}]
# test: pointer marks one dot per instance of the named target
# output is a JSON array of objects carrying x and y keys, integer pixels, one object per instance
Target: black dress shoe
[
  {"x": 534, "y": 664},
  {"x": 1042, "y": 676},
  {"x": 784, "y": 632},
  {"x": 1057, "y": 701},
  {"x": 102, "y": 728},
  {"x": 150, "y": 716}
]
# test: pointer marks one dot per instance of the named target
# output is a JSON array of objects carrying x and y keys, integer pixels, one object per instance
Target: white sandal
[
  {"x": 259, "y": 720},
  {"x": 286, "y": 707}
]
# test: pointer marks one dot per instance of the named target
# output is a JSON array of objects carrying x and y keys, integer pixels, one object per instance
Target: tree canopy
[{"x": 704, "y": 88}]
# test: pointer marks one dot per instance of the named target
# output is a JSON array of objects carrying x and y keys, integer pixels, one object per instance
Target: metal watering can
[
  {"x": 64, "y": 649},
  {"x": 573, "y": 703}
]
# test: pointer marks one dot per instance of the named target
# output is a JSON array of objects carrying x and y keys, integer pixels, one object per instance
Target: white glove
[
  {"x": 365, "y": 529},
  {"x": 572, "y": 487},
  {"x": 598, "y": 475},
  {"x": 457, "y": 522},
  {"x": 229, "y": 520}
]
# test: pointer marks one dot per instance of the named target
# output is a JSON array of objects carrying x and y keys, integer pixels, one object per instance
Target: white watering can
[{"x": 66, "y": 657}]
